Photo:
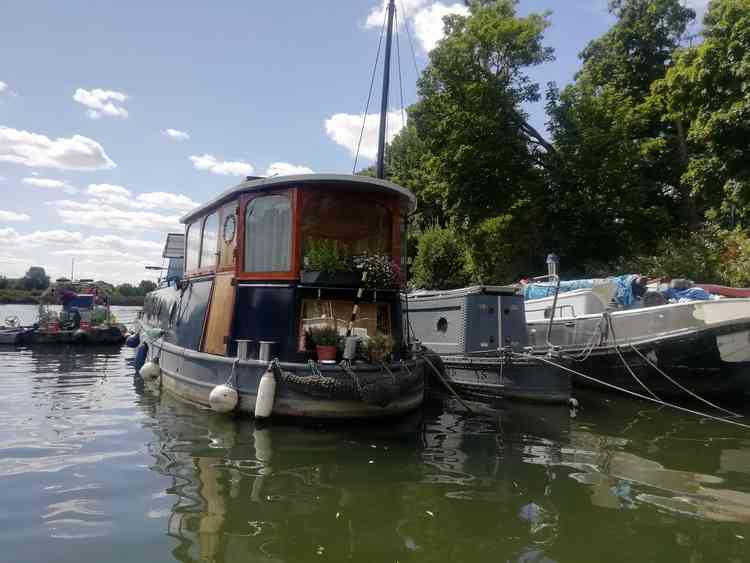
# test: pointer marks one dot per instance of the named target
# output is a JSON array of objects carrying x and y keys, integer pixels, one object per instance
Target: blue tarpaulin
[
  {"x": 691, "y": 294},
  {"x": 623, "y": 294}
]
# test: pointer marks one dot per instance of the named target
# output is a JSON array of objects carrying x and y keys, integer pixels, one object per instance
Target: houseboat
[
  {"x": 474, "y": 337},
  {"x": 289, "y": 303}
]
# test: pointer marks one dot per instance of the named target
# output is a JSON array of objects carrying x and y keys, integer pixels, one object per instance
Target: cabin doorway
[{"x": 220, "y": 315}]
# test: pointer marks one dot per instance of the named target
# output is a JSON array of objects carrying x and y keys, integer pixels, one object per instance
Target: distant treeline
[{"x": 29, "y": 289}]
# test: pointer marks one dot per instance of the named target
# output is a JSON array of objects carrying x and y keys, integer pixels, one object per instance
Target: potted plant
[
  {"x": 327, "y": 264},
  {"x": 326, "y": 340},
  {"x": 380, "y": 347},
  {"x": 382, "y": 272}
]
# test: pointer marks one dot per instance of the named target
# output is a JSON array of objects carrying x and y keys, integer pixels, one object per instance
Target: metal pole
[{"x": 386, "y": 85}]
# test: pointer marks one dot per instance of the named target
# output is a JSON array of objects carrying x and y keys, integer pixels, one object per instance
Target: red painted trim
[{"x": 724, "y": 290}]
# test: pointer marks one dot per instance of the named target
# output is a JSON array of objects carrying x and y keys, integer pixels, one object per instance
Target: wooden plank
[{"x": 220, "y": 315}]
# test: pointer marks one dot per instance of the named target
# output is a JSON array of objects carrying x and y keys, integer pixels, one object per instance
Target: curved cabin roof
[{"x": 346, "y": 182}]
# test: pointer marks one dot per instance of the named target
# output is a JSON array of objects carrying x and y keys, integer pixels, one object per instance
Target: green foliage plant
[
  {"x": 324, "y": 255},
  {"x": 441, "y": 261},
  {"x": 325, "y": 336}
]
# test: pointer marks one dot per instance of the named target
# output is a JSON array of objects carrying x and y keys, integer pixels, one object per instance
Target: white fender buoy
[
  {"x": 150, "y": 370},
  {"x": 223, "y": 398},
  {"x": 573, "y": 403},
  {"x": 266, "y": 394}
]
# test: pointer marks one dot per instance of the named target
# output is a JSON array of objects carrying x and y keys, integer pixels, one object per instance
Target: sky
[{"x": 117, "y": 118}]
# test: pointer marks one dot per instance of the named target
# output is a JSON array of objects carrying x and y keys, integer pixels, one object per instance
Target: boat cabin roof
[{"x": 330, "y": 181}]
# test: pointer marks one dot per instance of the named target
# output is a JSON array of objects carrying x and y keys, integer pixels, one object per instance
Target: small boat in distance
[{"x": 85, "y": 317}]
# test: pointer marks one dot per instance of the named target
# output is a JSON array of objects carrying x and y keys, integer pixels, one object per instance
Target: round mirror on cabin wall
[{"x": 230, "y": 228}]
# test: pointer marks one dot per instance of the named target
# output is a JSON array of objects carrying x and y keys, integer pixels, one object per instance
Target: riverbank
[{"x": 23, "y": 297}]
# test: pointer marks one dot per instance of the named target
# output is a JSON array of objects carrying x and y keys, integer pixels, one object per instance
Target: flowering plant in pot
[
  {"x": 326, "y": 340},
  {"x": 382, "y": 271}
]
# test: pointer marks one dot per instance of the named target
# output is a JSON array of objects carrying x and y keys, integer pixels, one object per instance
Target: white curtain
[{"x": 268, "y": 234}]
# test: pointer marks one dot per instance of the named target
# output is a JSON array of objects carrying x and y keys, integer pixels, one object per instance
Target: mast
[{"x": 386, "y": 84}]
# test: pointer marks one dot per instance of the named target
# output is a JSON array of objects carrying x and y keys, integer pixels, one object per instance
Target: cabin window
[
  {"x": 356, "y": 223},
  {"x": 268, "y": 234},
  {"x": 209, "y": 246},
  {"x": 193, "y": 247}
]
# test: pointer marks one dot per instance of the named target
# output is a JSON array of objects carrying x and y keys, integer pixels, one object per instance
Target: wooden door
[{"x": 220, "y": 315}]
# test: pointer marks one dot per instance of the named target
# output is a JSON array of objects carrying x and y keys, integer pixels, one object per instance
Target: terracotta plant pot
[{"x": 326, "y": 353}]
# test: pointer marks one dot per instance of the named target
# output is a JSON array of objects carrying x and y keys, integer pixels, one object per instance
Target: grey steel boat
[{"x": 476, "y": 336}]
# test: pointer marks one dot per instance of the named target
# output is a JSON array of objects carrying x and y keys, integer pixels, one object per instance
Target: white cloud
[
  {"x": 224, "y": 168},
  {"x": 286, "y": 169},
  {"x": 428, "y": 23},
  {"x": 344, "y": 129},
  {"x": 56, "y": 236},
  {"x": 3, "y": 86},
  {"x": 176, "y": 134},
  {"x": 34, "y": 150},
  {"x": 426, "y": 18},
  {"x": 99, "y": 214},
  {"x": 50, "y": 184},
  {"x": 110, "y": 194},
  {"x": 107, "y": 189},
  {"x": 165, "y": 200},
  {"x": 376, "y": 17},
  {"x": 101, "y": 102},
  {"x": 12, "y": 216}
]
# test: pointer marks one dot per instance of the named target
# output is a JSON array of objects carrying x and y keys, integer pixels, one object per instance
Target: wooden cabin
[{"x": 244, "y": 256}]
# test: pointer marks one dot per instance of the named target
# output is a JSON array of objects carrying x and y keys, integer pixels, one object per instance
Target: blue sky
[{"x": 115, "y": 118}]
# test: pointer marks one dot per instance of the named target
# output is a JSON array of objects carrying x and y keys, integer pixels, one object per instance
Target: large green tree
[
  {"x": 618, "y": 184},
  {"x": 470, "y": 153},
  {"x": 708, "y": 90}
]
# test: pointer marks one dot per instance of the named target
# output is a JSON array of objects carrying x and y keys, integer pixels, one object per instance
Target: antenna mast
[{"x": 386, "y": 84}]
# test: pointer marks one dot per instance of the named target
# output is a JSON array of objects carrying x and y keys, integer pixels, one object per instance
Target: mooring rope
[
  {"x": 447, "y": 385},
  {"x": 677, "y": 384},
  {"x": 611, "y": 326},
  {"x": 633, "y": 393}
]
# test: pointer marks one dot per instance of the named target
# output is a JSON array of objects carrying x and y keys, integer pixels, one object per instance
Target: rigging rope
[
  {"x": 369, "y": 95},
  {"x": 400, "y": 80},
  {"x": 411, "y": 44}
]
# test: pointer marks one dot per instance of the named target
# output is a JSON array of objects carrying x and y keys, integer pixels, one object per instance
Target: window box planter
[{"x": 336, "y": 279}]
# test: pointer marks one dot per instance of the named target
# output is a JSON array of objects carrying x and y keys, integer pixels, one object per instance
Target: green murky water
[{"x": 95, "y": 467}]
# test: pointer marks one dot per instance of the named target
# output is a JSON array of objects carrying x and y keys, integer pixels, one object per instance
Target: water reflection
[{"x": 434, "y": 482}]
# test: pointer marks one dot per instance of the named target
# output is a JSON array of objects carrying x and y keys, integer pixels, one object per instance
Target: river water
[{"x": 96, "y": 467}]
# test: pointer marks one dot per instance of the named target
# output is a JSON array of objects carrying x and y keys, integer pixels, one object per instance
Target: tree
[
  {"x": 4, "y": 283},
  {"x": 35, "y": 279},
  {"x": 470, "y": 153},
  {"x": 440, "y": 261},
  {"x": 146, "y": 286},
  {"x": 618, "y": 185},
  {"x": 707, "y": 89}
]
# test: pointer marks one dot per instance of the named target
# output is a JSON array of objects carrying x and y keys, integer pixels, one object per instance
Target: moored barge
[{"x": 272, "y": 267}]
